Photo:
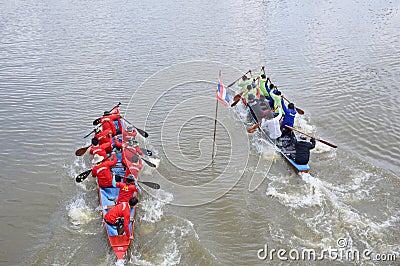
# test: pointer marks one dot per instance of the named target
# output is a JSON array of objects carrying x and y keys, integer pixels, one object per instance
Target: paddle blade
[
  {"x": 148, "y": 152},
  {"x": 149, "y": 163},
  {"x": 96, "y": 122},
  {"x": 81, "y": 151},
  {"x": 298, "y": 110},
  {"x": 150, "y": 184},
  {"x": 253, "y": 128},
  {"x": 235, "y": 102},
  {"x": 142, "y": 132},
  {"x": 83, "y": 176},
  {"x": 237, "y": 96}
]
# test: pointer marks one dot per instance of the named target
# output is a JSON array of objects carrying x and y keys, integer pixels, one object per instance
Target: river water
[{"x": 63, "y": 63}]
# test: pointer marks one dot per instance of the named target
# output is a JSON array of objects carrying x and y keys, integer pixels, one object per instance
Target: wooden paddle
[
  {"x": 300, "y": 111},
  {"x": 305, "y": 134},
  {"x": 230, "y": 85},
  {"x": 81, "y": 151},
  {"x": 141, "y": 132},
  {"x": 149, "y": 184},
  {"x": 242, "y": 94},
  {"x": 253, "y": 127}
]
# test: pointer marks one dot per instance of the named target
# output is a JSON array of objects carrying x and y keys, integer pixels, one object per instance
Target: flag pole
[{"x": 215, "y": 129}]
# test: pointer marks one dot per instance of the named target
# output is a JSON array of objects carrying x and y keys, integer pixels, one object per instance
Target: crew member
[
  {"x": 302, "y": 147},
  {"x": 127, "y": 189},
  {"x": 107, "y": 122},
  {"x": 121, "y": 215},
  {"x": 102, "y": 171},
  {"x": 100, "y": 149},
  {"x": 288, "y": 119},
  {"x": 271, "y": 124}
]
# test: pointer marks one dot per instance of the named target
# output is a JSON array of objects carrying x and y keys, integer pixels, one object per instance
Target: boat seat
[{"x": 289, "y": 151}]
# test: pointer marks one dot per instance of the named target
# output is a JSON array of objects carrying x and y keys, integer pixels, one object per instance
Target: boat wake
[
  {"x": 330, "y": 212},
  {"x": 153, "y": 207},
  {"x": 174, "y": 239}
]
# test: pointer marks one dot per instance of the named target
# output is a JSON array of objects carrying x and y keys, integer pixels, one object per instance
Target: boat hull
[{"x": 119, "y": 243}]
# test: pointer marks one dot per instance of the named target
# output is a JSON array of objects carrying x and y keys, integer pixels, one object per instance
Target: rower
[
  {"x": 129, "y": 133},
  {"x": 107, "y": 122},
  {"x": 271, "y": 125},
  {"x": 120, "y": 215},
  {"x": 127, "y": 189},
  {"x": 103, "y": 136},
  {"x": 255, "y": 91},
  {"x": 302, "y": 150},
  {"x": 276, "y": 97},
  {"x": 100, "y": 149},
  {"x": 288, "y": 119},
  {"x": 131, "y": 153},
  {"x": 263, "y": 90},
  {"x": 246, "y": 81},
  {"x": 102, "y": 171}
]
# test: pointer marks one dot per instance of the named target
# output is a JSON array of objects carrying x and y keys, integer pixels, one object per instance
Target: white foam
[
  {"x": 153, "y": 207},
  {"x": 79, "y": 212}
]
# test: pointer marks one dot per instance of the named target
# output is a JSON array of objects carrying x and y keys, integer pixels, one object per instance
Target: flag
[{"x": 222, "y": 94}]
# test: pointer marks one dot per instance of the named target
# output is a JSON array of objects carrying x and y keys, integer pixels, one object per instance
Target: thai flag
[{"x": 222, "y": 94}]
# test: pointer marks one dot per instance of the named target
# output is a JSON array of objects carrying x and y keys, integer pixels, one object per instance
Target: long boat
[
  {"x": 286, "y": 147},
  {"x": 119, "y": 243}
]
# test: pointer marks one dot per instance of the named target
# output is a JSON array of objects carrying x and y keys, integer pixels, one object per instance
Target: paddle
[
  {"x": 81, "y": 151},
  {"x": 97, "y": 121},
  {"x": 230, "y": 85},
  {"x": 305, "y": 134},
  {"x": 89, "y": 133},
  {"x": 253, "y": 128},
  {"x": 242, "y": 94},
  {"x": 83, "y": 176},
  {"x": 149, "y": 184},
  {"x": 300, "y": 111},
  {"x": 141, "y": 132},
  {"x": 148, "y": 152}
]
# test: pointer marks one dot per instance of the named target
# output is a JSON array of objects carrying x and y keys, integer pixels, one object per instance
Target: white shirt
[{"x": 272, "y": 126}]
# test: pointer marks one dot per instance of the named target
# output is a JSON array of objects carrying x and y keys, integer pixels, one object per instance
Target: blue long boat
[{"x": 119, "y": 243}]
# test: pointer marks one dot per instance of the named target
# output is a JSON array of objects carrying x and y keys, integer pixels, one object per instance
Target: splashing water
[
  {"x": 153, "y": 208},
  {"x": 79, "y": 213}
]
